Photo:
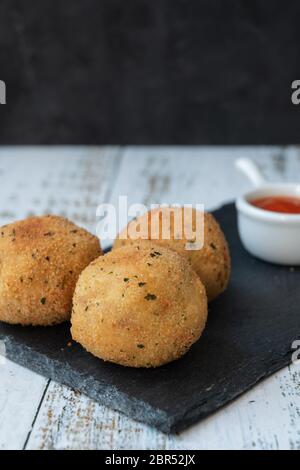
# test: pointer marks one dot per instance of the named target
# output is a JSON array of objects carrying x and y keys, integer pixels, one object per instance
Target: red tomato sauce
[{"x": 283, "y": 204}]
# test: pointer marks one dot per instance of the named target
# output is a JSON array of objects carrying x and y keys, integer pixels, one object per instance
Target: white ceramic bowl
[{"x": 271, "y": 236}]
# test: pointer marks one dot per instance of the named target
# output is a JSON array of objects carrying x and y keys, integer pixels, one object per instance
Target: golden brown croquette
[
  {"x": 211, "y": 262},
  {"x": 40, "y": 261},
  {"x": 139, "y": 306}
]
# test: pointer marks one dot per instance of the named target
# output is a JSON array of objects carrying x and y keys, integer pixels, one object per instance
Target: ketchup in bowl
[{"x": 283, "y": 204}]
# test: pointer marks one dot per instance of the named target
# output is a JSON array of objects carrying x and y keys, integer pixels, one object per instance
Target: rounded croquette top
[
  {"x": 211, "y": 262},
  {"x": 41, "y": 258},
  {"x": 34, "y": 229}
]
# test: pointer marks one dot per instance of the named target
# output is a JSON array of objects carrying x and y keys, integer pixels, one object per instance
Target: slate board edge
[
  {"x": 104, "y": 394},
  {"x": 133, "y": 408},
  {"x": 200, "y": 412}
]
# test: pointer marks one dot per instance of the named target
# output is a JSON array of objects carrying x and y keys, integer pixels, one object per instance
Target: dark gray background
[{"x": 149, "y": 71}]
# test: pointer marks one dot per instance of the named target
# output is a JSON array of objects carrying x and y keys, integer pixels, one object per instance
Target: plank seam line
[
  {"x": 116, "y": 168},
  {"x": 36, "y": 414}
]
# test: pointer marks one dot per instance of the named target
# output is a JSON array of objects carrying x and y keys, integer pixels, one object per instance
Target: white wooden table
[{"x": 37, "y": 413}]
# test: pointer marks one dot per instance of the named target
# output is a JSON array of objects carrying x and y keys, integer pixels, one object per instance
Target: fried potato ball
[
  {"x": 138, "y": 306},
  {"x": 40, "y": 261},
  {"x": 211, "y": 262}
]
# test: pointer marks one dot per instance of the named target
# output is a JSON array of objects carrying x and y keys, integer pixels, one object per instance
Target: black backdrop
[{"x": 149, "y": 71}]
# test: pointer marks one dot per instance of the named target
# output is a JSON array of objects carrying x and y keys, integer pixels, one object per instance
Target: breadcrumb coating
[
  {"x": 40, "y": 261},
  {"x": 139, "y": 306},
  {"x": 212, "y": 262}
]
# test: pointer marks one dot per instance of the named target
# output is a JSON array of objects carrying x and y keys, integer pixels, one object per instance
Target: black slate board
[{"x": 249, "y": 336}]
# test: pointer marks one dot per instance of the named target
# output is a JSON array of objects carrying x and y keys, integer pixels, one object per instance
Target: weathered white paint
[
  {"x": 20, "y": 394},
  {"x": 267, "y": 417},
  {"x": 53, "y": 180},
  {"x": 193, "y": 175},
  {"x": 70, "y": 420}
]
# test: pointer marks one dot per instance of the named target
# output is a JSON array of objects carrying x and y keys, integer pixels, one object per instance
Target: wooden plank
[
  {"x": 67, "y": 181},
  {"x": 20, "y": 394},
  {"x": 265, "y": 417},
  {"x": 70, "y": 420},
  {"x": 193, "y": 174},
  {"x": 36, "y": 180}
]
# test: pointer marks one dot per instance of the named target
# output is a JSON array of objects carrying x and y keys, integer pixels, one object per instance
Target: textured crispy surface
[
  {"x": 211, "y": 263},
  {"x": 40, "y": 261},
  {"x": 139, "y": 306}
]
